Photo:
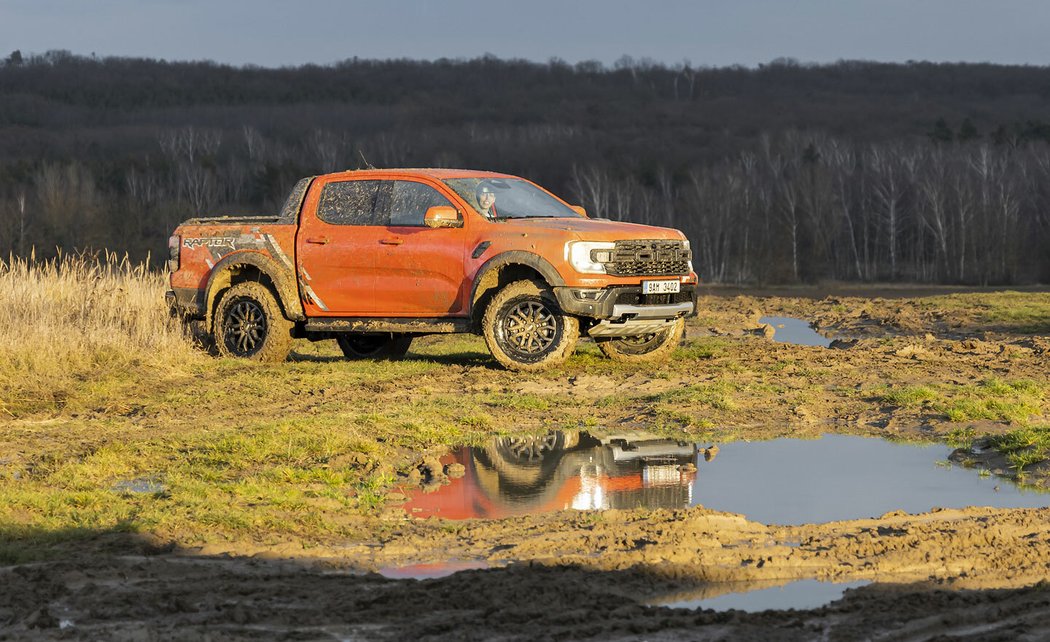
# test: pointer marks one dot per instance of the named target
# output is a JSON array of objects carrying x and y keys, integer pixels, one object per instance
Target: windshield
[{"x": 509, "y": 198}]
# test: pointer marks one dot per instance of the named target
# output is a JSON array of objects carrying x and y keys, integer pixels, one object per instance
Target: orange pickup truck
[{"x": 373, "y": 258}]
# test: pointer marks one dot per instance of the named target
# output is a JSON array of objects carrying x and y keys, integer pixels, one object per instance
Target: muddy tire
[
  {"x": 526, "y": 330},
  {"x": 383, "y": 346},
  {"x": 645, "y": 348},
  {"x": 249, "y": 324}
]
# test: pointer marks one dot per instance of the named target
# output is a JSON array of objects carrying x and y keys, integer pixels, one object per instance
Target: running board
[{"x": 394, "y": 324}]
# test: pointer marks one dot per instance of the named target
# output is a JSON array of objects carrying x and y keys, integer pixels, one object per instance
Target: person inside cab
[{"x": 486, "y": 201}]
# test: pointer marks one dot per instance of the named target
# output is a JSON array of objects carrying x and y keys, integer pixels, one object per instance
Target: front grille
[
  {"x": 649, "y": 258},
  {"x": 635, "y": 297}
]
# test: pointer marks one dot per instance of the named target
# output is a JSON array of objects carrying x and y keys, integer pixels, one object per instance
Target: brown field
[{"x": 273, "y": 493}]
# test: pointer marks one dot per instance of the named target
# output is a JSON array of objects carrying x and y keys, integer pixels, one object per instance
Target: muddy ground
[{"x": 949, "y": 574}]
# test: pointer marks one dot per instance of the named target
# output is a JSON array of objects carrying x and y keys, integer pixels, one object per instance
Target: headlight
[
  {"x": 689, "y": 251},
  {"x": 587, "y": 256}
]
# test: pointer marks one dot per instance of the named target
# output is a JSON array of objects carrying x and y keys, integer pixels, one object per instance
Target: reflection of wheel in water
[
  {"x": 529, "y": 448},
  {"x": 525, "y": 467},
  {"x": 525, "y": 461}
]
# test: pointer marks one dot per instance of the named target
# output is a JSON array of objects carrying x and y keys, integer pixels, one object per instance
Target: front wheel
[
  {"x": 647, "y": 347},
  {"x": 385, "y": 345},
  {"x": 526, "y": 330},
  {"x": 249, "y": 324}
]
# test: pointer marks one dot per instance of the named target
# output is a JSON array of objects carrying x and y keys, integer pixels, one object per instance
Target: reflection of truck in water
[{"x": 562, "y": 470}]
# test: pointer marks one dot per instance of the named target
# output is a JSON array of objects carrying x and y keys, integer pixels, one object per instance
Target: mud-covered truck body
[{"x": 373, "y": 258}]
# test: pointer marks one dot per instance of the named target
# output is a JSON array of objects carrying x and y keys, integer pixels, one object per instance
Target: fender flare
[
  {"x": 283, "y": 280},
  {"x": 515, "y": 257}
]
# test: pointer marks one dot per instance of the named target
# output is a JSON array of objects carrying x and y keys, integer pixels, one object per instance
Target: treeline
[
  {"x": 805, "y": 208},
  {"x": 787, "y": 172}
]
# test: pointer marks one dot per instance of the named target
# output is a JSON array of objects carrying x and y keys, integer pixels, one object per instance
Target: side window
[
  {"x": 351, "y": 203},
  {"x": 410, "y": 201}
]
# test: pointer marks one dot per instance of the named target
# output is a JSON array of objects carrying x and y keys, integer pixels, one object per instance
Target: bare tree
[
  {"x": 67, "y": 200},
  {"x": 192, "y": 152},
  {"x": 591, "y": 185},
  {"x": 890, "y": 185}
]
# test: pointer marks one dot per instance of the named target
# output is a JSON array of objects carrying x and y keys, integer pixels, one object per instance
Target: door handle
[
  {"x": 318, "y": 241},
  {"x": 392, "y": 241}
]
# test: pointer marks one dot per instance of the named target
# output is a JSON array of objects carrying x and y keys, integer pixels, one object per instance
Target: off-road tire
[
  {"x": 527, "y": 311},
  {"x": 249, "y": 324},
  {"x": 645, "y": 348},
  {"x": 383, "y": 346}
]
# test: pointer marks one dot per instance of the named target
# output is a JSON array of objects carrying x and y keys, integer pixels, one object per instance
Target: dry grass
[{"x": 79, "y": 321}]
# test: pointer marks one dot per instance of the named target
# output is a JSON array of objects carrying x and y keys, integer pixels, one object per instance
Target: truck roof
[{"x": 431, "y": 172}]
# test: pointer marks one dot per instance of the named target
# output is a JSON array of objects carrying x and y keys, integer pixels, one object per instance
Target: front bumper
[{"x": 626, "y": 303}]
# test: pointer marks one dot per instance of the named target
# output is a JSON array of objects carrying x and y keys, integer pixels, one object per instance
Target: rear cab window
[
  {"x": 352, "y": 203},
  {"x": 382, "y": 203}
]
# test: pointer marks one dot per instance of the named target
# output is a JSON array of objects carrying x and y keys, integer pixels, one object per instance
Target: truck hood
[{"x": 592, "y": 230}]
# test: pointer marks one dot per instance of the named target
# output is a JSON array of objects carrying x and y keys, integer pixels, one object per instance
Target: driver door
[{"x": 421, "y": 270}]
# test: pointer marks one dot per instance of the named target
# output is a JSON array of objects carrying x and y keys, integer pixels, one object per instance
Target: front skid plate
[{"x": 629, "y": 328}]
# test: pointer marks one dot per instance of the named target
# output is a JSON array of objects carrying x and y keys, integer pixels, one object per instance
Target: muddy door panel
[
  {"x": 422, "y": 272},
  {"x": 421, "y": 269}
]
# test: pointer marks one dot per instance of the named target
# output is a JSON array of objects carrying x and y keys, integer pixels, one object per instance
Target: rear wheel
[
  {"x": 384, "y": 345},
  {"x": 646, "y": 347},
  {"x": 525, "y": 329},
  {"x": 249, "y": 324}
]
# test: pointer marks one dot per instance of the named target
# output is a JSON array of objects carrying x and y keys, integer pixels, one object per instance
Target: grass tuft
[
  {"x": 906, "y": 396},
  {"x": 1024, "y": 446}
]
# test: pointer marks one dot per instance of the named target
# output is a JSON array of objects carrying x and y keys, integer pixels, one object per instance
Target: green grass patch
[
  {"x": 1025, "y": 446},
  {"x": 906, "y": 396},
  {"x": 701, "y": 349},
  {"x": 994, "y": 399},
  {"x": 997, "y": 400},
  {"x": 714, "y": 395},
  {"x": 1020, "y": 312}
]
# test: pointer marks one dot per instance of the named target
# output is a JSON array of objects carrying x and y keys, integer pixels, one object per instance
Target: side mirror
[
  {"x": 442, "y": 216},
  {"x": 579, "y": 210}
]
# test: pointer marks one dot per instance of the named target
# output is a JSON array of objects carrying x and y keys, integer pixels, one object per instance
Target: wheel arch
[
  {"x": 251, "y": 266},
  {"x": 506, "y": 268}
]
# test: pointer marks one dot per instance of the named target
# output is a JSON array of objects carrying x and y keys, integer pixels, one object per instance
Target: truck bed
[{"x": 252, "y": 219}]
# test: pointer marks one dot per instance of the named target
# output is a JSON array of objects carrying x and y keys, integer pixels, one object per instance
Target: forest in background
[{"x": 782, "y": 173}]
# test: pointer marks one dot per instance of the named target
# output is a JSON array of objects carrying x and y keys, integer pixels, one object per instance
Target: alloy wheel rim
[
  {"x": 246, "y": 327},
  {"x": 530, "y": 328}
]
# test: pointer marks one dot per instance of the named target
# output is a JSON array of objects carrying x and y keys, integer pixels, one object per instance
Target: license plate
[{"x": 660, "y": 287}]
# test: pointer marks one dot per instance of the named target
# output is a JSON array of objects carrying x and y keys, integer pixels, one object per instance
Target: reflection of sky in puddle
[
  {"x": 802, "y": 594},
  {"x": 837, "y": 477},
  {"x": 795, "y": 331},
  {"x": 141, "y": 485},
  {"x": 783, "y": 481},
  {"x": 431, "y": 571}
]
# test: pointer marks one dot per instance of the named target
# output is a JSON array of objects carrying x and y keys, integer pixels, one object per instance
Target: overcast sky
[{"x": 292, "y": 32}]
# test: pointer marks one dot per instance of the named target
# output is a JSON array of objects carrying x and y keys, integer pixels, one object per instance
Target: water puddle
[
  {"x": 432, "y": 570},
  {"x": 782, "y": 481},
  {"x": 796, "y": 332},
  {"x": 141, "y": 485},
  {"x": 802, "y": 594}
]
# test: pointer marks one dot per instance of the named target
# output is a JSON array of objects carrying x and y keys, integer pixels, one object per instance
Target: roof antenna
[{"x": 365, "y": 160}]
